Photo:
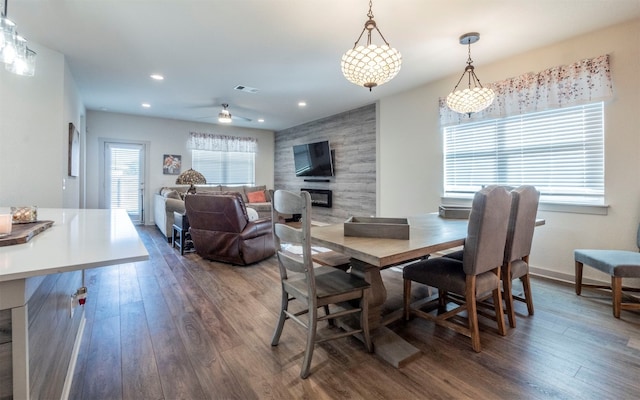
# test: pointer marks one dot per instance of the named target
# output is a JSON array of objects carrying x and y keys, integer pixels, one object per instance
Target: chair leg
[
  {"x": 443, "y": 300},
  {"x": 406, "y": 296},
  {"x": 311, "y": 341},
  {"x": 331, "y": 321},
  {"x": 616, "y": 291},
  {"x": 497, "y": 301},
  {"x": 364, "y": 321},
  {"x": 507, "y": 286},
  {"x": 579, "y": 266},
  {"x": 281, "y": 319},
  {"x": 526, "y": 285},
  {"x": 470, "y": 298}
]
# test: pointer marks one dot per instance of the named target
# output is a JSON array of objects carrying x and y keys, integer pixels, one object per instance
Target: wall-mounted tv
[{"x": 313, "y": 159}]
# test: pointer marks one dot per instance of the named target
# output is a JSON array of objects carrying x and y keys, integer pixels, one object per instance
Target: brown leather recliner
[{"x": 221, "y": 230}]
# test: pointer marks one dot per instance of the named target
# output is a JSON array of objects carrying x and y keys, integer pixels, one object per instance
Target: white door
[{"x": 124, "y": 178}]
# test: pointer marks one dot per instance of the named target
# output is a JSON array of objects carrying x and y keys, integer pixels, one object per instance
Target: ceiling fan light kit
[
  {"x": 224, "y": 117},
  {"x": 470, "y": 99},
  {"x": 371, "y": 65}
]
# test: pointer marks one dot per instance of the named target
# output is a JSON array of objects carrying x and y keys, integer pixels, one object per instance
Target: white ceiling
[{"x": 288, "y": 49}]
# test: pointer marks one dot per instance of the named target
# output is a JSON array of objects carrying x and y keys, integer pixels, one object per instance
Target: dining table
[{"x": 429, "y": 233}]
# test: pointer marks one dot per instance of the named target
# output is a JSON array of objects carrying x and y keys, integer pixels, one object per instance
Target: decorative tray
[
  {"x": 391, "y": 228},
  {"x": 22, "y": 233}
]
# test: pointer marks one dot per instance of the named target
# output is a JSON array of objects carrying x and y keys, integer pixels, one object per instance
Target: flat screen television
[{"x": 313, "y": 159}]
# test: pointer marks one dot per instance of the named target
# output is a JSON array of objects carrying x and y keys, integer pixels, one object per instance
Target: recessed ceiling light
[
  {"x": 157, "y": 77},
  {"x": 146, "y": 105},
  {"x": 260, "y": 119},
  {"x": 302, "y": 104}
]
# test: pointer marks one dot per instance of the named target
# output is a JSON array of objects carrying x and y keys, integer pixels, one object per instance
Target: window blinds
[
  {"x": 560, "y": 152},
  {"x": 225, "y": 168}
]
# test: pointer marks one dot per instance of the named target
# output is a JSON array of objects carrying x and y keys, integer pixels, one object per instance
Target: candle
[{"x": 5, "y": 224}]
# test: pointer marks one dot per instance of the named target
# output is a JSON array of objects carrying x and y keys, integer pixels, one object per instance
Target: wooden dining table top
[{"x": 428, "y": 233}]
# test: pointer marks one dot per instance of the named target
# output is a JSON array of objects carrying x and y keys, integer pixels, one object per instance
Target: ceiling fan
[{"x": 225, "y": 116}]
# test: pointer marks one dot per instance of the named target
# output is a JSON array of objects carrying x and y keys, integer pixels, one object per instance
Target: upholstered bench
[{"x": 618, "y": 264}]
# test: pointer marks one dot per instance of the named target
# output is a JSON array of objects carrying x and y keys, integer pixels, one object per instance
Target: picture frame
[
  {"x": 74, "y": 151},
  {"x": 171, "y": 164}
]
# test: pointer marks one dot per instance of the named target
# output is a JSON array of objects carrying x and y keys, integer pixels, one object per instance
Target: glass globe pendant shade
[
  {"x": 7, "y": 40},
  {"x": 470, "y": 100},
  {"x": 371, "y": 66},
  {"x": 24, "y": 60}
]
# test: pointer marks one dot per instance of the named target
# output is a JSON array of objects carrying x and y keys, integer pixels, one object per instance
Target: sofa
[
  {"x": 171, "y": 198},
  {"x": 222, "y": 231}
]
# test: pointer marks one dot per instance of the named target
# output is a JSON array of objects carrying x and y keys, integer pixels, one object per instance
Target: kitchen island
[{"x": 41, "y": 321}]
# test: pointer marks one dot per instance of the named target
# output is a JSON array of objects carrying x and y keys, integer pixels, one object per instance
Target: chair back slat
[
  {"x": 487, "y": 230},
  {"x": 522, "y": 222},
  {"x": 293, "y": 245}
]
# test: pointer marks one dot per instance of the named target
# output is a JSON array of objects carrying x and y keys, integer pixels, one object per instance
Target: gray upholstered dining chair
[
  {"x": 618, "y": 264},
  {"x": 313, "y": 285},
  {"x": 522, "y": 222},
  {"x": 475, "y": 277}
]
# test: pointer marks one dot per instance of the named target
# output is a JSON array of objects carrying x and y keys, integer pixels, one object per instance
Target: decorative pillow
[
  {"x": 252, "y": 214},
  {"x": 172, "y": 194},
  {"x": 257, "y": 197}
]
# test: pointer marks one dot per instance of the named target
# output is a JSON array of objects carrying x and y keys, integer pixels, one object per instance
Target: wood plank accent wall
[{"x": 352, "y": 136}]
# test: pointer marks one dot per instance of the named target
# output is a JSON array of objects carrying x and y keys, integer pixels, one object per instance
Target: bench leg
[
  {"x": 579, "y": 266},
  {"x": 616, "y": 289}
]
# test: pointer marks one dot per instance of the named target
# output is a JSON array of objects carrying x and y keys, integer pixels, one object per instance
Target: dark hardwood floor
[{"x": 177, "y": 327}]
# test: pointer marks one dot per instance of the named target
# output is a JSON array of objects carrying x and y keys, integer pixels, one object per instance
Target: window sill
[{"x": 593, "y": 209}]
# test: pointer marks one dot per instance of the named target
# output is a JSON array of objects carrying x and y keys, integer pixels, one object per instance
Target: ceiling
[{"x": 289, "y": 50}]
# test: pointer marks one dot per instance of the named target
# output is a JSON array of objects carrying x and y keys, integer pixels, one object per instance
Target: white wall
[
  {"x": 34, "y": 117},
  {"x": 410, "y": 149},
  {"x": 165, "y": 136}
]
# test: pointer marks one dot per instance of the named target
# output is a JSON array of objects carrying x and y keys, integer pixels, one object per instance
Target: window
[
  {"x": 225, "y": 167},
  {"x": 560, "y": 152},
  {"x": 124, "y": 177}
]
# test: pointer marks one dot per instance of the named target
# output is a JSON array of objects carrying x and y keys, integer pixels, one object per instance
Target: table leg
[{"x": 386, "y": 344}]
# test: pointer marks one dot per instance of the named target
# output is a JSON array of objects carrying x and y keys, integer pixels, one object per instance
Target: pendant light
[
  {"x": 14, "y": 53},
  {"x": 470, "y": 99},
  {"x": 370, "y": 65}
]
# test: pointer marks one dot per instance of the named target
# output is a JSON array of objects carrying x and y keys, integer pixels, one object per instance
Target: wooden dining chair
[
  {"x": 313, "y": 285},
  {"x": 522, "y": 222},
  {"x": 474, "y": 278}
]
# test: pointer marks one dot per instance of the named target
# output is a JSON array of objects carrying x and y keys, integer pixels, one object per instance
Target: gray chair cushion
[
  {"x": 620, "y": 263},
  {"x": 448, "y": 275}
]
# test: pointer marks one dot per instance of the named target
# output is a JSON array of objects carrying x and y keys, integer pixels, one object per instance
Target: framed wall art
[
  {"x": 74, "y": 150},
  {"x": 171, "y": 164}
]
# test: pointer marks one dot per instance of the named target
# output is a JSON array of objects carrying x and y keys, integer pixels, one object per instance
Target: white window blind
[
  {"x": 225, "y": 167},
  {"x": 125, "y": 179},
  {"x": 560, "y": 152}
]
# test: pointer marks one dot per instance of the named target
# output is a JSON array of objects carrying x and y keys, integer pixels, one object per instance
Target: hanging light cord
[
  {"x": 469, "y": 69},
  {"x": 4, "y": 14},
  {"x": 369, "y": 26}
]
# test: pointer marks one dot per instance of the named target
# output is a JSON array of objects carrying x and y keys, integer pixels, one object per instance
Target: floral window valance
[
  {"x": 207, "y": 141},
  {"x": 582, "y": 82}
]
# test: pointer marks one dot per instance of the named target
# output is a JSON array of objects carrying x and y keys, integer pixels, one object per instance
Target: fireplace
[{"x": 320, "y": 197}]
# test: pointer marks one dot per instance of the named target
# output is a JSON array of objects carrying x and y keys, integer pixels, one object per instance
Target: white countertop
[{"x": 78, "y": 239}]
